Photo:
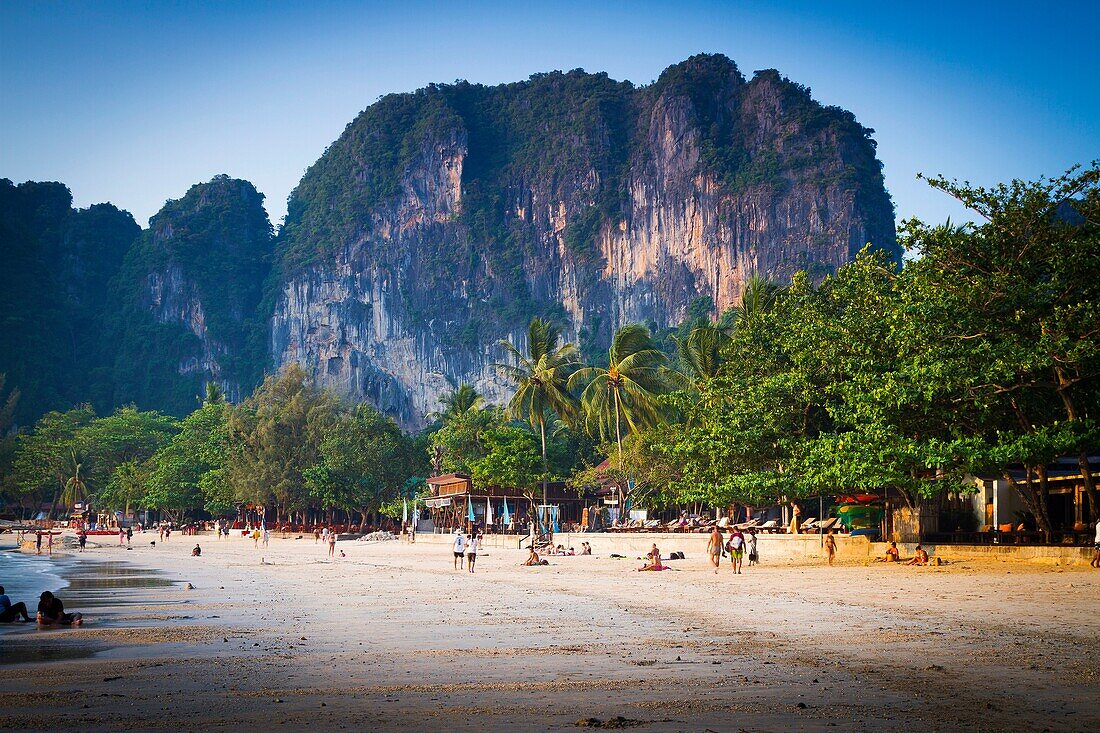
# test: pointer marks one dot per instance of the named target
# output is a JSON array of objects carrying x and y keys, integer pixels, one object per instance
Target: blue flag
[
  {"x": 507, "y": 517},
  {"x": 470, "y": 509}
]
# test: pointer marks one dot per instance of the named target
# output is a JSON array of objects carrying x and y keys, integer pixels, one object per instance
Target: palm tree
[
  {"x": 215, "y": 395},
  {"x": 75, "y": 487},
  {"x": 757, "y": 296},
  {"x": 541, "y": 377},
  {"x": 460, "y": 401},
  {"x": 624, "y": 393},
  {"x": 699, "y": 356}
]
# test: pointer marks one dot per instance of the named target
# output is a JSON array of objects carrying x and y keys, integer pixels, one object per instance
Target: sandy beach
[{"x": 392, "y": 638}]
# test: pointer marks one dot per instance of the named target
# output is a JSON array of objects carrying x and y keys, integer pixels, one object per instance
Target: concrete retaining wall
[
  {"x": 783, "y": 548},
  {"x": 1045, "y": 554}
]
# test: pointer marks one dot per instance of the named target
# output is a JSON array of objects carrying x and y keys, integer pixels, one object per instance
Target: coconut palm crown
[{"x": 623, "y": 395}]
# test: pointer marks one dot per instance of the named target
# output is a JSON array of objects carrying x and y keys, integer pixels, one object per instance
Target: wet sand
[{"x": 392, "y": 638}]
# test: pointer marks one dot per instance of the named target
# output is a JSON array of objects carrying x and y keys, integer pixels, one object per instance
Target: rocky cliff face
[
  {"x": 189, "y": 293},
  {"x": 441, "y": 221}
]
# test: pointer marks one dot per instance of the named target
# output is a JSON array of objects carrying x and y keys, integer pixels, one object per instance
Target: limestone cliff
[
  {"x": 188, "y": 298},
  {"x": 442, "y": 220}
]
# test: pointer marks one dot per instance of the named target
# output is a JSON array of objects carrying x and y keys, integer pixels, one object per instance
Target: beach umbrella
[
  {"x": 470, "y": 509},
  {"x": 488, "y": 512},
  {"x": 506, "y": 518},
  {"x": 404, "y": 510}
]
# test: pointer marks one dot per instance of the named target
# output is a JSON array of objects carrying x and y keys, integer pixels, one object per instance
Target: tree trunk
[
  {"x": 1031, "y": 498},
  {"x": 545, "y": 470},
  {"x": 1044, "y": 502},
  {"x": 619, "y": 442},
  {"x": 1082, "y": 457}
]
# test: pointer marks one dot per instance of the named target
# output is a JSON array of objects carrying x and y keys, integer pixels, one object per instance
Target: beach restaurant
[{"x": 454, "y": 503}]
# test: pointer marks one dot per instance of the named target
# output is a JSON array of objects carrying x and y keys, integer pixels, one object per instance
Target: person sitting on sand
[
  {"x": 586, "y": 549},
  {"x": 532, "y": 558},
  {"x": 196, "y": 552},
  {"x": 921, "y": 558},
  {"x": 892, "y": 554},
  {"x": 10, "y": 611},
  {"x": 653, "y": 560},
  {"x": 571, "y": 551},
  {"x": 51, "y": 612}
]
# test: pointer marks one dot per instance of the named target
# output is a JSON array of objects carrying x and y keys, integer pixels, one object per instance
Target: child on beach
[
  {"x": 921, "y": 558},
  {"x": 830, "y": 546}
]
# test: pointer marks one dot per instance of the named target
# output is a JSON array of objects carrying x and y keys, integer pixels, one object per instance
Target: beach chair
[
  {"x": 828, "y": 524},
  {"x": 723, "y": 523},
  {"x": 808, "y": 526},
  {"x": 771, "y": 526}
]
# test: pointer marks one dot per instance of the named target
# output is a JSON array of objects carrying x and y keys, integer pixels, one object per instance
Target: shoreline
[{"x": 391, "y": 637}]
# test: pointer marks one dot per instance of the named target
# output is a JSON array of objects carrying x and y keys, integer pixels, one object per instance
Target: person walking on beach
[
  {"x": 750, "y": 547},
  {"x": 37, "y": 543},
  {"x": 49, "y": 543},
  {"x": 167, "y": 532},
  {"x": 830, "y": 546},
  {"x": 471, "y": 551},
  {"x": 121, "y": 536},
  {"x": 267, "y": 536},
  {"x": 735, "y": 546},
  {"x": 82, "y": 538},
  {"x": 459, "y": 549},
  {"x": 332, "y": 544},
  {"x": 129, "y": 535},
  {"x": 714, "y": 548},
  {"x": 160, "y": 532}
]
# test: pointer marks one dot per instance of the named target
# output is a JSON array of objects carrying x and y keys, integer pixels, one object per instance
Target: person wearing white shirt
[
  {"x": 1096, "y": 540},
  {"x": 471, "y": 551},
  {"x": 459, "y": 548}
]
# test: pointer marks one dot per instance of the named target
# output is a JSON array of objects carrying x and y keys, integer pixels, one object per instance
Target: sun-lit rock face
[{"x": 441, "y": 221}]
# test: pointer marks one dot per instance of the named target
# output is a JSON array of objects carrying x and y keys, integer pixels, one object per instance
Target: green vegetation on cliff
[
  {"x": 551, "y": 156},
  {"x": 54, "y": 282},
  {"x": 189, "y": 293}
]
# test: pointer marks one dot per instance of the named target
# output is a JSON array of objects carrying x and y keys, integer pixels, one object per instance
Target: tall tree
[
  {"x": 624, "y": 394},
  {"x": 541, "y": 377}
]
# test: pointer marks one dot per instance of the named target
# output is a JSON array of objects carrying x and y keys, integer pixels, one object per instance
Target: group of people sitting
[
  {"x": 554, "y": 550},
  {"x": 51, "y": 611},
  {"x": 894, "y": 555}
]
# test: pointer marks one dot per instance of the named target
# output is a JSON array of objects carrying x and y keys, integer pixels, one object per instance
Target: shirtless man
[
  {"x": 921, "y": 558},
  {"x": 714, "y": 548},
  {"x": 532, "y": 557}
]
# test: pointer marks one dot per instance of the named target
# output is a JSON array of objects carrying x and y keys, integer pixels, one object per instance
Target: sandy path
[{"x": 391, "y": 637}]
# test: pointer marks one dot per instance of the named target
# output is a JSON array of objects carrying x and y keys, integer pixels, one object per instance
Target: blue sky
[{"x": 134, "y": 102}]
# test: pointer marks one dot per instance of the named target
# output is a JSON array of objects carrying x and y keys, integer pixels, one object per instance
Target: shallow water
[{"x": 103, "y": 591}]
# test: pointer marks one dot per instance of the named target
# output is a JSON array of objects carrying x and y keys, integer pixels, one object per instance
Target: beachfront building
[{"x": 453, "y": 497}]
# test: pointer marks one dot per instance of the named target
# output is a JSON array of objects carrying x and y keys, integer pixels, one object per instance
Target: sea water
[{"x": 25, "y": 576}]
